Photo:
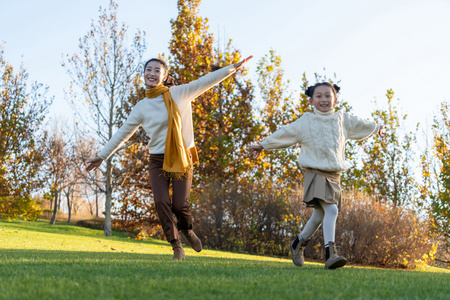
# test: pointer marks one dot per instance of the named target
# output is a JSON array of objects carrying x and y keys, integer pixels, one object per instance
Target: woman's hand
[
  {"x": 255, "y": 150},
  {"x": 239, "y": 65},
  {"x": 381, "y": 132},
  {"x": 93, "y": 163}
]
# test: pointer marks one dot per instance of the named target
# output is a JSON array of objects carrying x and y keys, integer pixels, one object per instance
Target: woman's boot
[
  {"x": 193, "y": 240},
  {"x": 178, "y": 252}
]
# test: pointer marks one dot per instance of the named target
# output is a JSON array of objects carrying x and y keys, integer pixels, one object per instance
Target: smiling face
[
  {"x": 154, "y": 74},
  {"x": 323, "y": 98}
]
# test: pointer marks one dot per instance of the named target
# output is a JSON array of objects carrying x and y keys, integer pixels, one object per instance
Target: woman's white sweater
[
  {"x": 322, "y": 137},
  {"x": 152, "y": 114}
]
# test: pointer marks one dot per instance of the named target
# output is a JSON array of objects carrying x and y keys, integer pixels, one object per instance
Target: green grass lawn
[{"x": 40, "y": 261}]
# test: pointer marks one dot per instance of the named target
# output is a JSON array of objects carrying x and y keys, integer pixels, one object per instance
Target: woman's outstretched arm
[
  {"x": 239, "y": 65},
  {"x": 128, "y": 128},
  {"x": 193, "y": 89},
  {"x": 93, "y": 163}
]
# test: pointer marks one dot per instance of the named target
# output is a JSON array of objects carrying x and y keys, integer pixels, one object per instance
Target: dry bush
[
  {"x": 245, "y": 217},
  {"x": 259, "y": 219},
  {"x": 93, "y": 223},
  {"x": 378, "y": 234},
  {"x": 443, "y": 253},
  {"x": 48, "y": 213},
  {"x": 136, "y": 214}
]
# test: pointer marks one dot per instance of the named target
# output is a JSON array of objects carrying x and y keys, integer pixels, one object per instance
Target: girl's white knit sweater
[
  {"x": 322, "y": 137},
  {"x": 152, "y": 114}
]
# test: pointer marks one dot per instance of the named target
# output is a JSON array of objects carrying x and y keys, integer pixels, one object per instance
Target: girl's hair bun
[
  {"x": 336, "y": 88},
  {"x": 310, "y": 90}
]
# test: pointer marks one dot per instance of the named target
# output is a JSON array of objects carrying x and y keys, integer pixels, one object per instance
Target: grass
[{"x": 40, "y": 261}]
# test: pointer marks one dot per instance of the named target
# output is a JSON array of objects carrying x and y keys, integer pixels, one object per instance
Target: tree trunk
[
  {"x": 69, "y": 207},
  {"x": 55, "y": 209},
  {"x": 59, "y": 203},
  {"x": 107, "y": 226},
  {"x": 221, "y": 127},
  {"x": 96, "y": 202}
]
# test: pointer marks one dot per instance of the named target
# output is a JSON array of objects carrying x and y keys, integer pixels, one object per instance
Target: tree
[
  {"x": 222, "y": 118},
  {"x": 76, "y": 153},
  {"x": 441, "y": 203},
  {"x": 279, "y": 109},
  {"x": 223, "y": 122},
  {"x": 105, "y": 70},
  {"x": 387, "y": 169},
  {"x": 58, "y": 166},
  {"x": 23, "y": 107},
  {"x": 88, "y": 184},
  {"x": 435, "y": 187}
]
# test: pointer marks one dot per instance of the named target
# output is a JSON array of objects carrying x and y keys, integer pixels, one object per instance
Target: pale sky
[{"x": 371, "y": 46}]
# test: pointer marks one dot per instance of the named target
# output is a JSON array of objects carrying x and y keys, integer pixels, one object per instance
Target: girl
[
  {"x": 322, "y": 136},
  {"x": 166, "y": 116}
]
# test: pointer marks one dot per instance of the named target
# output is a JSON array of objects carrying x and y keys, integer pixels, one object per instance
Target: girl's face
[
  {"x": 323, "y": 98},
  {"x": 154, "y": 74}
]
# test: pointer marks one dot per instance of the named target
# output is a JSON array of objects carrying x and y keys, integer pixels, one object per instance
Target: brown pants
[{"x": 167, "y": 207}]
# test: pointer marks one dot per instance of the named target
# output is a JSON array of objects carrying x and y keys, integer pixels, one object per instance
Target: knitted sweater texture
[
  {"x": 322, "y": 137},
  {"x": 152, "y": 114}
]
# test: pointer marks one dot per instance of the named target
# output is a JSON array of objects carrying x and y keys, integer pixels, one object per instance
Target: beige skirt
[{"x": 321, "y": 185}]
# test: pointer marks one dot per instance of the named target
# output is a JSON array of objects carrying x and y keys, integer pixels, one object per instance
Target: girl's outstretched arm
[
  {"x": 255, "y": 150},
  {"x": 93, "y": 163}
]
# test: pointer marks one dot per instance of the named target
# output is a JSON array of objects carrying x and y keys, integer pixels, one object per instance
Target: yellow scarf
[{"x": 177, "y": 161}]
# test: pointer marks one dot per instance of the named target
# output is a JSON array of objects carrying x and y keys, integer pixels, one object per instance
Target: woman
[{"x": 166, "y": 116}]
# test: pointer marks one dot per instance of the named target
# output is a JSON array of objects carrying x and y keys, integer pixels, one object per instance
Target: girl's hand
[
  {"x": 255, "y": 150},
  {"x": 238, "y": 65},
  {"x": 93, "y": 163},
  {"x": 381, "y": 132}
]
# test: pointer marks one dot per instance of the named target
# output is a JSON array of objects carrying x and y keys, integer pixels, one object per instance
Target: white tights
[{"x": 326, "y": 213}]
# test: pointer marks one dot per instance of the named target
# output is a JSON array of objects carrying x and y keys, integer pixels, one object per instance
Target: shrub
[
  {"x": 136, "y": 214},
  {"x": 257, "y": 218},
  {"x": 246, "y": 217},
  {"x": 443, "y": 253},
  {"x": 140, "y": 228},
  {"x": 379, "y": 234},
  {"x": 96, "y": 223},
  {"x": 12, "y": 208},
  {"x": 48, "y": 213}
]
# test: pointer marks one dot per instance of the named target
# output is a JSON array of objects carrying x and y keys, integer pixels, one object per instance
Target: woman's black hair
[
  {"x": 169, "y": 79},
  {"x": 310, "y": 90}
]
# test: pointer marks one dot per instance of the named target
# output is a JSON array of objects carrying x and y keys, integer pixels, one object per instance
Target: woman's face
[
  {"x": 323, "y": 98},
  {"x": 154, "y": 74}
]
